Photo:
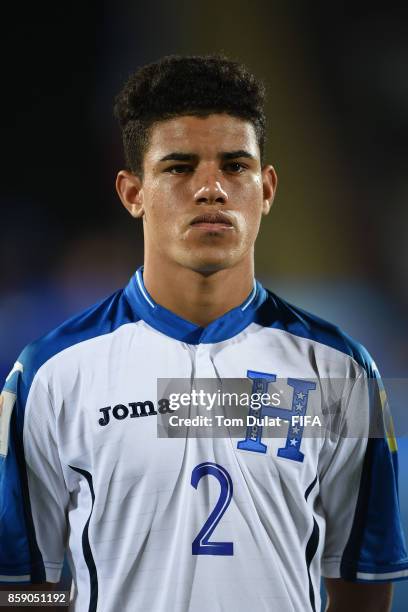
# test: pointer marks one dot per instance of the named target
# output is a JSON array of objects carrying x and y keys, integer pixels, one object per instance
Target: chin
[
  {"x": 209, "y": 265},
  {"x": 208, "y": 261},
  {"x": 209, "y": 268}
]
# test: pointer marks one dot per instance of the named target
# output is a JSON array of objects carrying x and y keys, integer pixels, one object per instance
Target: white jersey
[{"x": 154, "y": 524}]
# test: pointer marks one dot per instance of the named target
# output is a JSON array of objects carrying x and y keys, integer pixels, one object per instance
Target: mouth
[{"x": 212, "y": 221}]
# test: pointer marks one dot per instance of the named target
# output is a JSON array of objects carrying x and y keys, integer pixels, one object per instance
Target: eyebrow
[{"x": 178, "y": 156}]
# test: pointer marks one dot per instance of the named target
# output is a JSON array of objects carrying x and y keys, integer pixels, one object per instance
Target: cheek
[
  {"x": 250, "y": 205},
  {"x": 158, "y": 206},
  {"x": 251, "y": 191},
  {"x": 252, "y": 222}
]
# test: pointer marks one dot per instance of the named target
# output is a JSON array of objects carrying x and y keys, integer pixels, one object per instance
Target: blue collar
[{"x": 170, "y": 324}]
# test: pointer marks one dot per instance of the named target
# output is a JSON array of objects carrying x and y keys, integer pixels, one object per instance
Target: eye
[
  {"x": 234, "y": 167},
  {"x": 178, "y": 169}
]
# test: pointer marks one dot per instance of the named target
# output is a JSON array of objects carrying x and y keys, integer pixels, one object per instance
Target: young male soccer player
[{"x": 196, "y": 524}]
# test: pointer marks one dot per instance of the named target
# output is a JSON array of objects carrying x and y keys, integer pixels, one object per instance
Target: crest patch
[{"x": 7, "y": 401}]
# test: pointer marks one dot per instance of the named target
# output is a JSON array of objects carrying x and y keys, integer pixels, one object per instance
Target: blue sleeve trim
[
  {"x": 378, "y": 580},
  {"x": 371, "y": 568},
  {"x": 15, "y": 570}
]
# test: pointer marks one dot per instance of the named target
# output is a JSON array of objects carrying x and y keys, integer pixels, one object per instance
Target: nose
[{"x": 210, "y": 190}]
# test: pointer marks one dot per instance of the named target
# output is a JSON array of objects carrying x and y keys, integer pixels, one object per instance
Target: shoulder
[
  {"x": 277, "y": 313},
  {"x": 102, "y": 318}
]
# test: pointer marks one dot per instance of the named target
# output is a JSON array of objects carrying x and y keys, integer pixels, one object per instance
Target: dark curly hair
[{"x": 186, "y": 85}]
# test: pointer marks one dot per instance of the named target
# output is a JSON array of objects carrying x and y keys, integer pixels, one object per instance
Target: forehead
[{"x": 202, "y": 135}]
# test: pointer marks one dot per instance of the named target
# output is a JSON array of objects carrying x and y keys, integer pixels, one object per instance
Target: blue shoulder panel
[
  {"x": 101, "y": 318},
  {"x": 279, "y": 314},
  {"x": 19, "y": 553}
]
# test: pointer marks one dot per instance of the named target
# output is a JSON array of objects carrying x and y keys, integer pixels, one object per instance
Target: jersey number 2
[{"x": 201, "y": 544}]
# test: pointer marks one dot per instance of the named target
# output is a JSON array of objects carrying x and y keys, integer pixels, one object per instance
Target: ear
[
  {"x": 269, "y": 183},
  {"x": 130, "y": 191}
]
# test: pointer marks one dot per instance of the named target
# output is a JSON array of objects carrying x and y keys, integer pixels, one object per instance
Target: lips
[{"x": 216, "y": 218}]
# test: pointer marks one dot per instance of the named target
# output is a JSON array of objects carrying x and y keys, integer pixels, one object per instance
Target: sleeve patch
[{"x": 7, "y": 401}]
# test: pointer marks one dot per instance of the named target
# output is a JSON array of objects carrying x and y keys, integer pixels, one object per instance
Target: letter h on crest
[{"x": 301, "y": 388}]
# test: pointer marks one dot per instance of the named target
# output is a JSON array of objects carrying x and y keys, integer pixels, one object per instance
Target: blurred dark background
[{"x": 336, "y": 241}]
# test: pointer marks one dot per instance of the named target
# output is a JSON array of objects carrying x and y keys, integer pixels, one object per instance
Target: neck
[{"x": 194, "y": 296}]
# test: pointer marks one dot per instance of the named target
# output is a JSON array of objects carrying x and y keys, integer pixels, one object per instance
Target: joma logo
[{"x": 133, "y": 410}]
